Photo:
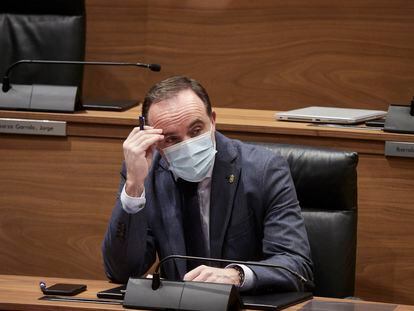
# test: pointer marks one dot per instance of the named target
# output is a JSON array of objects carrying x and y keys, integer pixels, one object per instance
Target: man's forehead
[{"x": 185, "y": 101}]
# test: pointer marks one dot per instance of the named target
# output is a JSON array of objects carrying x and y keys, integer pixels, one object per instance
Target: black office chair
[
  {"x": 326, "y": 185},
  {"x": 42, "y": 29}
]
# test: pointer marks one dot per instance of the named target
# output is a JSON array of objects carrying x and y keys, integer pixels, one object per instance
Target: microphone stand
[
  {"x": 37, "y": 97},
  {"x": 6, "y": 81}
]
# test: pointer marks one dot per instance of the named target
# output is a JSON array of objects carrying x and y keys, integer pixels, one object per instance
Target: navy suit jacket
[{"x": 256, "y": 217}]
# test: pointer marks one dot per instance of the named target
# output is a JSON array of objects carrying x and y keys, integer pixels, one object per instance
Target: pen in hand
[{"x": 141, "y": 122}]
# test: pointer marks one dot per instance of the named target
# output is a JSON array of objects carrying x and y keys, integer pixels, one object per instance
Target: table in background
[{"x": 57, "y": 193}]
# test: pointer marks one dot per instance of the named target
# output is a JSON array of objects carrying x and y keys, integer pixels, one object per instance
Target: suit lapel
[{"x": 224, "y": 183}]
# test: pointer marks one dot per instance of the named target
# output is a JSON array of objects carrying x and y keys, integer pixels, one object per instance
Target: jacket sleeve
[
  {"x": 285, "y": 240},
  {"x": 128, "y": 247}
]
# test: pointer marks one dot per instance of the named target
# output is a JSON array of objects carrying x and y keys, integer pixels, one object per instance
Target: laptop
[{"x": 316, "y": 114}]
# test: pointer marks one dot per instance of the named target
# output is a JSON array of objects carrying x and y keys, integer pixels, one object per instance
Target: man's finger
[
  {"x": 136, "y": 133},
  {"x": 191, "y": 275},
  {"x": 144, "y": 141}
]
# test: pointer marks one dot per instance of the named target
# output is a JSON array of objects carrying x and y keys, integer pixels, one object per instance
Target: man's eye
[
  {"x": 195, "y": 132},
  {"x": 170, "y": 140}
]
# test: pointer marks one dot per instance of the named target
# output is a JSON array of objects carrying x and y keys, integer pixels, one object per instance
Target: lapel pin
[{"x": 231, "y": 178}]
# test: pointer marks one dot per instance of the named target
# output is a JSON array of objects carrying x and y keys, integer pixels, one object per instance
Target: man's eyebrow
[
  {"x": 192, "y": 124},
  {"x": 166, "y": 134}
]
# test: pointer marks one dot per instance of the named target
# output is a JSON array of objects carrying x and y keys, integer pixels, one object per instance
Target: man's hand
[
  {"x": 215, "y": 275},
  {"x": 138, "y": 151}
]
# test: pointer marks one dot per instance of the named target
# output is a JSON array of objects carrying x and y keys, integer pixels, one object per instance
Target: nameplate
[
  {"x": 32, "y": 127},
  {"x": 399, "y": 149}
]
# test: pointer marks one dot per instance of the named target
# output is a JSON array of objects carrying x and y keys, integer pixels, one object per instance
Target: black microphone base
[
  {"x": 181, "y": 296},
  {"x": 399, "y": 120},
  {"x": 39, "y": 97}
]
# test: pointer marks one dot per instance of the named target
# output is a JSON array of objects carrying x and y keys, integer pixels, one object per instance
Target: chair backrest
[
  {"x": 326, "y": 185},
  {"x": 42, "y": 29}
]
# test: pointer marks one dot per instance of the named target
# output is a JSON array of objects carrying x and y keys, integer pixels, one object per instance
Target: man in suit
[{"x": 186, "y": 189}]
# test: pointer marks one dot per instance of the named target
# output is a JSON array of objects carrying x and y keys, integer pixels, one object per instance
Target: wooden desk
[
  {"x": 21, "y": 293},
  {"x": 57, "y": 193}
]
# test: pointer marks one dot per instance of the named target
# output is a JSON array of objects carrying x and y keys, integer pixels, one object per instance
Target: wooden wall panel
[
  {"x": 57, "y": 196},
  {"x": 385, "y": 229},
  {"x": 116, "y": 31},
  {"x": 259, "y": 54}
]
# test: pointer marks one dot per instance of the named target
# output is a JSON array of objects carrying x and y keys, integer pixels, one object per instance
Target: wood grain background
[
  {"x": 273, "y": 54},
  {"x": 385, "y": 231},
  {"x": 56, "y": 198}
]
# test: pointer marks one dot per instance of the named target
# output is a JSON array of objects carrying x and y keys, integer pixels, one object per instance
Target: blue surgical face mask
[{"x": 193, "y": 158}]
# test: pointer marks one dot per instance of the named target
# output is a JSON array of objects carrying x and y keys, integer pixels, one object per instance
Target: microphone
[
  {"x": 49, "y": 97},
  {"x": 142, "y": 293},
  {"x": 6, "y": 81}
]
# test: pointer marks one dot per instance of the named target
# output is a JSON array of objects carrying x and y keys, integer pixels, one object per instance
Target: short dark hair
[{"x": 170, "y": 87}]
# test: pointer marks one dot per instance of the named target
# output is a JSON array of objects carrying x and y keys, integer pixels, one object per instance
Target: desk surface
[
  {"x": 22, "y": 293},
  {"x": 228, "y": 119}
]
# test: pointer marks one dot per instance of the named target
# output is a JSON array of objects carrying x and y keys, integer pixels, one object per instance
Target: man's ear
[{"x": 213, "y": 117}]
